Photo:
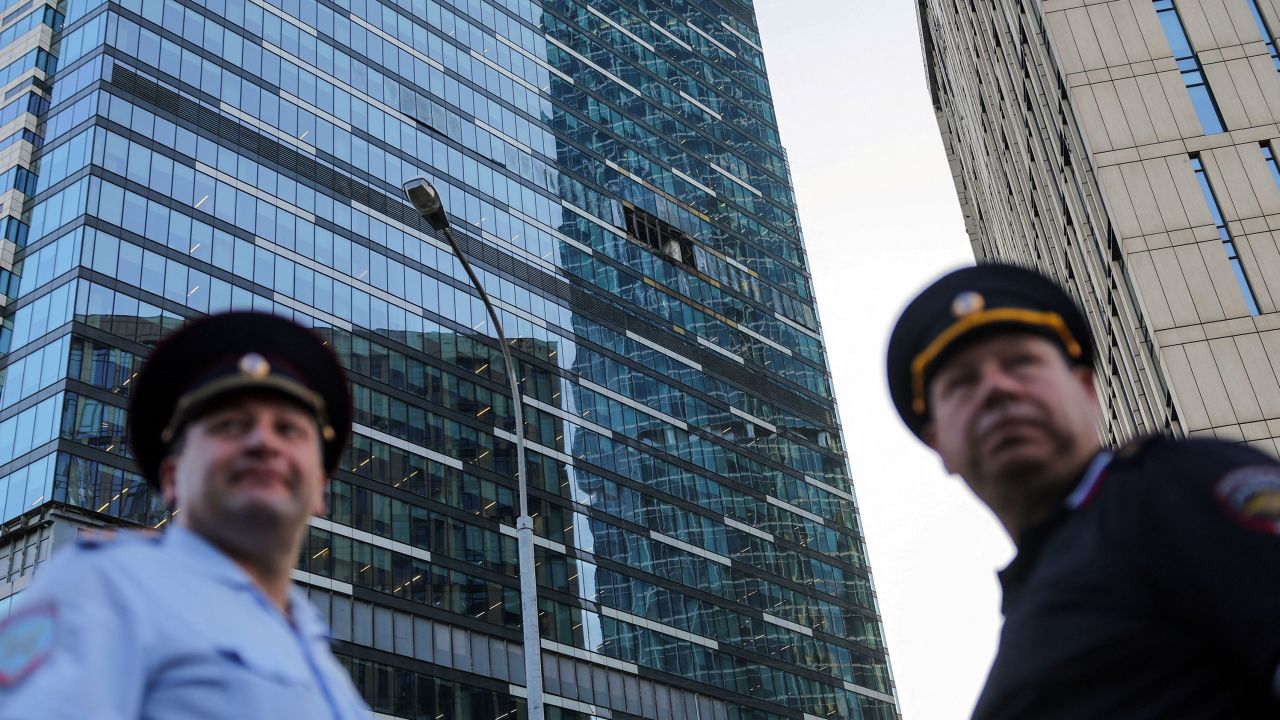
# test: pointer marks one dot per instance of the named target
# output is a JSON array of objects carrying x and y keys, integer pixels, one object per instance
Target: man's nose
[
  {"x": 996, "y": 385},
  {"x": 262, "y": 436}
]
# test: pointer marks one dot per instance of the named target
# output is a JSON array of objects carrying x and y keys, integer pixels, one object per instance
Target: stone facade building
[{"x": 1128, "y": 148}]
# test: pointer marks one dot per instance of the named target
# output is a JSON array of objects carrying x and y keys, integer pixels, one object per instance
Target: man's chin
[
  {"x": 1017, "y": 461},
  {"x": 262, "y": 510}
]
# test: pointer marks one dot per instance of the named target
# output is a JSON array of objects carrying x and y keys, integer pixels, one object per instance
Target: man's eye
[
  {"x": 1023, "y": 360},
  {"x": 956, "y": 382},
  {"x": 292, "y": 429},
  {"x": 226, "y": 424}
]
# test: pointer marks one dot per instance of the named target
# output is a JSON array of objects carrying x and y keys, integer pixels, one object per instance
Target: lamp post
[{"x": 426, "y": 201}]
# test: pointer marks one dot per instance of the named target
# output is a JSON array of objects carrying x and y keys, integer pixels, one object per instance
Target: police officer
[
  {"x": 236, "y": 420},
  {"x": 1147, "y": 581}
]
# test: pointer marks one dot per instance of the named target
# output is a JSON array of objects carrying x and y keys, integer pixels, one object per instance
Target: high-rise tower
[
  {"x": 613, "y": 169},
  {"x": 1128, "y": 148}
]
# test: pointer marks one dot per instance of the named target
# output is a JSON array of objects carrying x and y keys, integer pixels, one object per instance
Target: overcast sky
[{"x": 880, "y": 219}]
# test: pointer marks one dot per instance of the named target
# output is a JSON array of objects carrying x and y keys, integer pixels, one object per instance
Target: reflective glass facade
[{"x": 614, "y": 171}]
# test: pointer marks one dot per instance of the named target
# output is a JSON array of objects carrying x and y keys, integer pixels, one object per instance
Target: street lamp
[{"x": 426, "y": 201}]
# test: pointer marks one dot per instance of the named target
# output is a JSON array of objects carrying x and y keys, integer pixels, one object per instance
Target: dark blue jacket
[{"x": 1157, "y": 597}]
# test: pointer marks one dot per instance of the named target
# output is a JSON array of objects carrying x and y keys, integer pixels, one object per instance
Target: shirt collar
[
  {"x": 1092, "y": 474},
  {"x": 205, "y": 557},
  {"x": 1014, "y": 576}
]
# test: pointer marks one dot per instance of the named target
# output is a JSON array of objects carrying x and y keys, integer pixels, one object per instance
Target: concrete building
[
  {"x": 614, "y": 169},
  {"x": 1128, "y": 148}
]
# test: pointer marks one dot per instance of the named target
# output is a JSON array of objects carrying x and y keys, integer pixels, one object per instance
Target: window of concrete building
[
  {"x": 1189, "y": 65},
  {"x": 1228, "y": 243},
  {"x": 1269, "y": 154},
  {"x": 1267, "y": 37}
]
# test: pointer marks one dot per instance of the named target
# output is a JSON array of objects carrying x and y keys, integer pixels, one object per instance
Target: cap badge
[
  {"x": 254, "y": 365},
  {"x": 967, "y": 303}
]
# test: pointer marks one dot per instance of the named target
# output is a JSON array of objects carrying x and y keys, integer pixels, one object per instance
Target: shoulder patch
[
  {"x": 26, "y": 638},
  {"x": 1251, "y": 495}
]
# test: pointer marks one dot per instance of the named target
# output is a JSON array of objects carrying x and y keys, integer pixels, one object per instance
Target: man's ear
[
  {"x": 1084, "y": 374},
  {"x": 929, "y": 435},
  {"x": 317, "y": 507},
  {"x": 169, "y": 481}
]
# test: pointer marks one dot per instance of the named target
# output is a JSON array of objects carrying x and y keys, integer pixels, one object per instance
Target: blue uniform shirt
[{"x": 164, "y": 627}]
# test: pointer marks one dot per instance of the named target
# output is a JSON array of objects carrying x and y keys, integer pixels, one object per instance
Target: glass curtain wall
[{"x": 615, "y": 173}]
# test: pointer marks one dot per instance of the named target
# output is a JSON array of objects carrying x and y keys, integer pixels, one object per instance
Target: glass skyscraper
[{"x": 613, "y": 169}]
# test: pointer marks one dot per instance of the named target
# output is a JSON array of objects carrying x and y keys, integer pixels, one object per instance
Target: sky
[{"x": 880, "y": 219}]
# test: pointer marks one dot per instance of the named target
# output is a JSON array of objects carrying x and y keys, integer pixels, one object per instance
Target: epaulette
[
  {"x": 97, "y": 537},
  {"x": 1136, "y": 448}
]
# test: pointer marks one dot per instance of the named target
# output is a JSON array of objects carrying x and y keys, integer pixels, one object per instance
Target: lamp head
[{"x": 426, "y": 201}]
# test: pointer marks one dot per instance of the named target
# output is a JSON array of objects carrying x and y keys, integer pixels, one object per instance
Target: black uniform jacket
[{"x": 1157, "y": 597}]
